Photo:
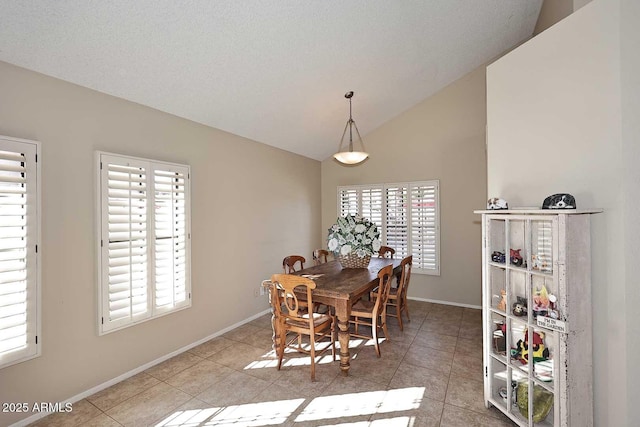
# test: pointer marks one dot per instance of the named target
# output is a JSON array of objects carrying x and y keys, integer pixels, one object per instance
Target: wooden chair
[
  {"x": 292, "y": 318},
  {"x": 397, "y": 299},
  {"x": 373, "y": 313},
  {"x": 289, "y": 263},
  {"x": 386, "y": 250},
  {"x": 320, "y": 256}
]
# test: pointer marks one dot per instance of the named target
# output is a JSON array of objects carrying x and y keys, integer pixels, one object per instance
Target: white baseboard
[
  {"x": 477, "y": 307},
  {"x": 137, "y": 370}
]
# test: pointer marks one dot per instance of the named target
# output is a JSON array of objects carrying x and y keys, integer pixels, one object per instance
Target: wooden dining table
[{"x": 341, "y": 288}]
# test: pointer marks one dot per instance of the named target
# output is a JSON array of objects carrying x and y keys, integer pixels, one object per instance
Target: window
[
  {"x": 407, "y": 214},
  {"x": 144, "y": 240},
  {"x": 19, "y": 258}
]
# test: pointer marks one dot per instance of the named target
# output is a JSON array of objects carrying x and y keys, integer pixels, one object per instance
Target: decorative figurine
[
  {"x": 538, "y": 349},
  {"x": 520, "y": 307},
  {"x": 515, "y": 257},
  {"x": 498, "y": 256},
  {"x": 559, "y": 201},
  {"x": 496, "y": 203},
  {"x": 502, "y": 305}
]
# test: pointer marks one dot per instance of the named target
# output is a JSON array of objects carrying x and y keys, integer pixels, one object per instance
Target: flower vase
[{"x": 353, "y": 261}]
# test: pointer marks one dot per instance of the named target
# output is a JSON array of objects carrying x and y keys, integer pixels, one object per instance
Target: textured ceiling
[{"x": 275, "y": 71}]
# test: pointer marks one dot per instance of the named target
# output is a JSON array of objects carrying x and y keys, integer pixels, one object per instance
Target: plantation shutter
[
  {"x": 145, "y": 250},
  {"x": 348, "y": 201},
  {"x": 408, "y": 217},
  {"x": 170, "y": 237},
  {"x": 19, "y": 234},
  {"x": 424, "y": 226},
  {"x": 125, "y": 274},
  {"x": 396, "y": 221},
  {"x": 372, "y": 205}
]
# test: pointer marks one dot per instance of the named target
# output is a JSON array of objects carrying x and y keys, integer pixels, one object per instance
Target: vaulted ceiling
[{"x": 274, "y": 71}]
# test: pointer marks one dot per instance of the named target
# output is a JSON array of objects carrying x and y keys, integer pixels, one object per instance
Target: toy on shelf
[
  {"x": 502, "y": 304},
  {"x": 519, "y": 307},
  {"x": 544, "y": 303},
  {"x": 515, "y": 257},
  {"x": 538, "y": 349},
  {"x": 498, "y": 256}
]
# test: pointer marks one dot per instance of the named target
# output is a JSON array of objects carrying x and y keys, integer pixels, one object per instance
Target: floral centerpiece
[{"x": 353, "y": 240}]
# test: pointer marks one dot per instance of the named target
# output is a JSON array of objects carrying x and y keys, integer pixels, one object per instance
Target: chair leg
[
  {"x": 399, "y": 314},
  {"x": 281, "y": 345},
  {"x": 406, "y": 308},
  {"x": 374, "y": 333},
  {"x": 383, "y": 321},
  {"x": 312, "y": 339}
]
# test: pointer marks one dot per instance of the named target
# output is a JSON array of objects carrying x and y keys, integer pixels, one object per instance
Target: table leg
[{"x": 343, "y": 314}]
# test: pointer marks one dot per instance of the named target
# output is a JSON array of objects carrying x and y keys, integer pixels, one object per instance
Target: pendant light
[{"x": 346, "y": 155}]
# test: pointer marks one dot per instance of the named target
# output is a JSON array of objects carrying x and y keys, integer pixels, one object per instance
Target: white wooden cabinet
[{"x": 553, "y": 280}]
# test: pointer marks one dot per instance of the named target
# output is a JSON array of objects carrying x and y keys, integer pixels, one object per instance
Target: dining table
[{"x": 340, "y": 288}]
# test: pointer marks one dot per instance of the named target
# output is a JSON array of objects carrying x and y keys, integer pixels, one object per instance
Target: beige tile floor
[{"x": 429, "y": 375}]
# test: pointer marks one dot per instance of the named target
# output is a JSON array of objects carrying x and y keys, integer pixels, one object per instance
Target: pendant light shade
[{"x": 346, "y": 153}]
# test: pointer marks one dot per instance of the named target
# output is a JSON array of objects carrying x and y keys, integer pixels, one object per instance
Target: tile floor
[{"x": 428, "y": 375}]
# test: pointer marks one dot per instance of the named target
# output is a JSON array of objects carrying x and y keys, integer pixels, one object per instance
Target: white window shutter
[
  {"x": 171, "y": 238},
  {"x": 145, "y": 240},
  {"x": 19, "y": 235},
  {"x": 408, "y": 216},
  {"x": 125, "y": 242},
  {"x": 396, "y": 221},
  {"x": 372, "y": 205},
  {"x": 425, "y": 226},
  {"x": 348, "y": 201}
]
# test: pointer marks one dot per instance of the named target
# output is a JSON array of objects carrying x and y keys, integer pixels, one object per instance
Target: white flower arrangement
[{"x": 353, "y": 234}]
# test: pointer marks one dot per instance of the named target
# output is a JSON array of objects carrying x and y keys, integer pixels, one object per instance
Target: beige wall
[
  {"x": 246, "y": 216},
  {"x": 554, "y": 125},
  {"x": 630, "y": 89},
  {"x": 441, "y": 138}
]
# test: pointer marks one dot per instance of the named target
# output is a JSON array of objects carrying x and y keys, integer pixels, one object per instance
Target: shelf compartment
[
  {"x": 517, "y": 293},
  {"x": 542, "y": 246},
  {"x": 497, "y": 279},
  {"x": 538, "y": 411},
  {"x": 544, "y": 297},
  {"x": 497, "y": 328},
  {"x": 517, "y": 248}
]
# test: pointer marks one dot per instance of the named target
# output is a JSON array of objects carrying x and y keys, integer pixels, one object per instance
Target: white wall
[
  {"x": 251, "y": 205},
  {"x": 554, "y": 125}
]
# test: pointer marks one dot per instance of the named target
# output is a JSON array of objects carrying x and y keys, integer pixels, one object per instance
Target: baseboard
[
  {"x": 139, "y": 369},
  {"x": 477, "y": 307}
]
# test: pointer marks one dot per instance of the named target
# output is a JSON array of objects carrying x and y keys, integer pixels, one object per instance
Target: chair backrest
[
  {"x": 285, "y": 301},
  {"x": 289, "y": 263},
  {"x": 405, "y": 277},
  {"x": 384, "y": 276},
  {"x": 386, "y": 250},
  {"x": 320, "y": 256}
]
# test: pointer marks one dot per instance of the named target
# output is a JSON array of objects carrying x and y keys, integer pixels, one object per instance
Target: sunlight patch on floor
[
  {"x": 251, "y": 414},
  {"x": 270, "y": 359},
  {"x": 386, "y": 422},
  {"x": 364, "y": 403}
]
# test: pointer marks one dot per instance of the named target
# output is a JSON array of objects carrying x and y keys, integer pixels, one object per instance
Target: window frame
[
  {"x": 33, "y": 348},
  {"x": 153, "y": 310},
  {"x": 344, "y": 208}
]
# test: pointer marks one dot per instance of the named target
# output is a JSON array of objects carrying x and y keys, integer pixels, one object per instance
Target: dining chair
[
  {"x": 320, "y": 256},
  {"x": 293, "y": 320},
  {"x": 386, "y": 250},
  {"x": 397, "y": 299},
  {"x": 373, "y": 313},
  {"x": 289, "y": 263}
]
